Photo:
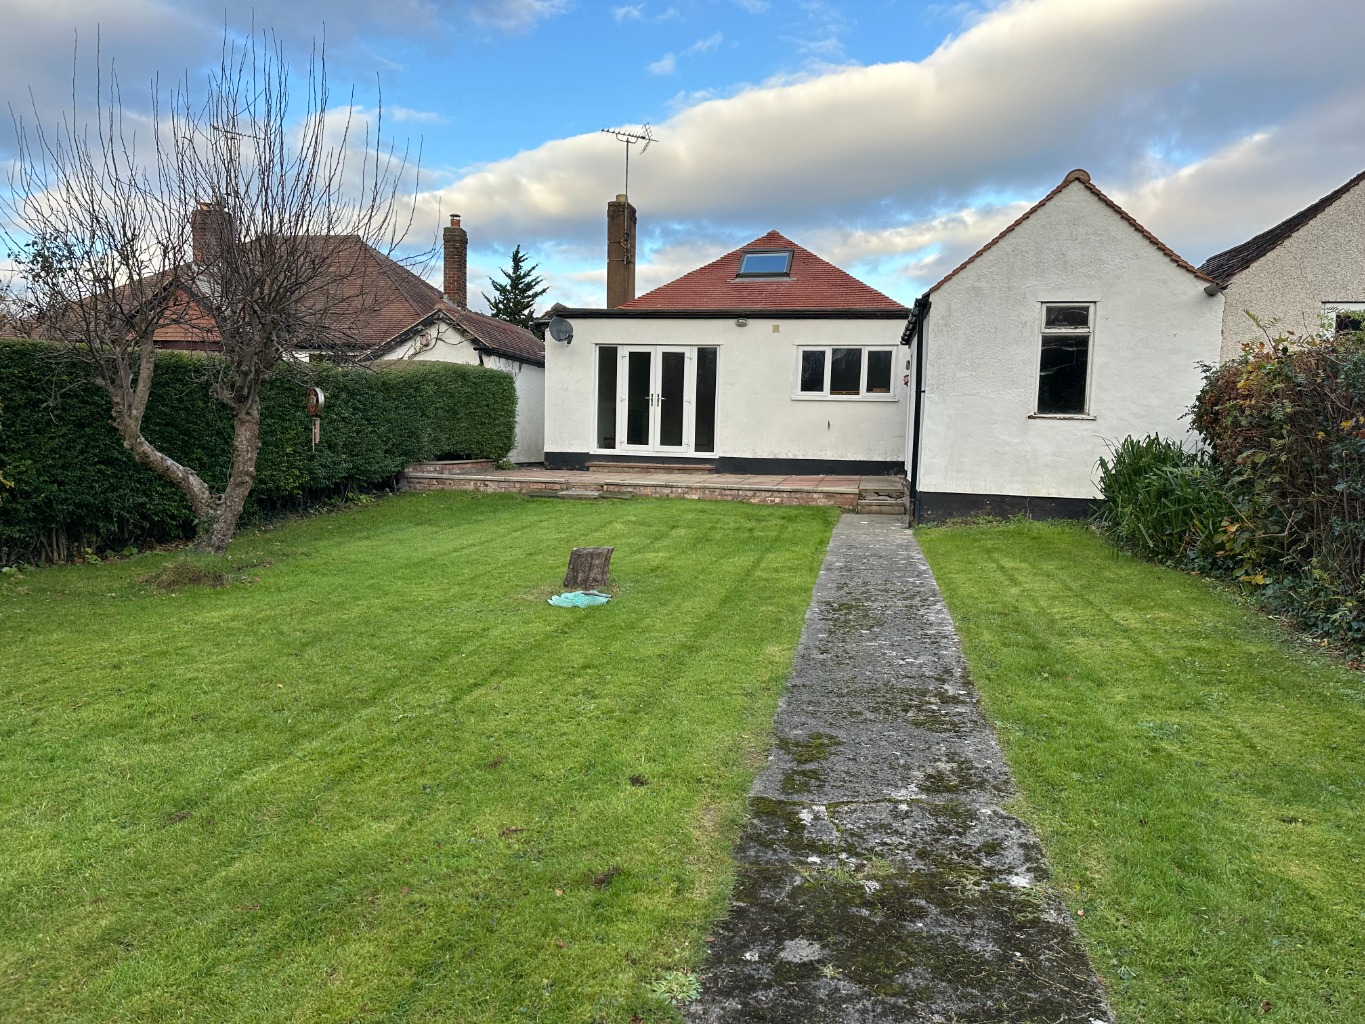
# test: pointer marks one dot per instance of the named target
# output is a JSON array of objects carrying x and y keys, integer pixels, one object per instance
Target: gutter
[
  {"x": 914, "y": 331},
  {"x": 748, "y": 313}
]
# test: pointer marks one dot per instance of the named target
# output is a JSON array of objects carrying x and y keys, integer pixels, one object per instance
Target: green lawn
[
  {"x": 1198, "y": 782},
  {"x": 385, "y": 781}
]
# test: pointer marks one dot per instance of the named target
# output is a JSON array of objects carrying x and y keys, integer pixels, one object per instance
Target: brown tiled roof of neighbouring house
[
  {"x": 1226, "y": 265},
  {"x": 377, "y": 300}
]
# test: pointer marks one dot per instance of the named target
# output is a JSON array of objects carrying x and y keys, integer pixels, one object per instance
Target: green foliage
[
  {"x": 75, "y": 487},
  {"x": 1286, "y": 427},
  {"x": 514, "y": 297},
  {"x": 1162, "y": 501}
]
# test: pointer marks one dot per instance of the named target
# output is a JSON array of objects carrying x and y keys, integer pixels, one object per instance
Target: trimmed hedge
[{"x": 76, "y": 487}]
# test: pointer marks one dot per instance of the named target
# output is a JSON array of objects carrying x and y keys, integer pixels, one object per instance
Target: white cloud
[
  {"x": 514, "y": 15},
  {"x": 407, "y": 114},
  {"x": 753, "y": 6},
  {"x": 705, "y": 45},
  {"x": 665, "y": 65},
  {"x": 911, "y": 165},
  {"x": 628, "y": 12}
]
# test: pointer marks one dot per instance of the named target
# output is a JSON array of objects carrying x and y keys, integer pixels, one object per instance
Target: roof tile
[
  {"x": 1229, "y": 263},
  {"x": 813, "y": 284}
]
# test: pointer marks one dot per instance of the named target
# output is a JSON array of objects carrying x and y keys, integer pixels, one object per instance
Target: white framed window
[
  {"x": 1067, "y": 330},
  {"x": 839, "y": 371},
  {"x": 1343, "y": 316}
]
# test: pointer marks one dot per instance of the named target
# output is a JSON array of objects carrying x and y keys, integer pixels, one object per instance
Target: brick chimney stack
[
  {"x": 210, "y": 232},
  {"x": 620, "y": 252},
  {"x": 455, "y": 284}
]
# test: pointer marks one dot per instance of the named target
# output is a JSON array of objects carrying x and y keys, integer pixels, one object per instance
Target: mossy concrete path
[{"x": 880, "y": 878}]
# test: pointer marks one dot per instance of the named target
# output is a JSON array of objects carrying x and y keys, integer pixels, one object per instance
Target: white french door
[{"x": 655, "y": 399}]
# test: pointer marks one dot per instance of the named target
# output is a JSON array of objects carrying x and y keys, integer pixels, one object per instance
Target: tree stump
[{"x": 588, "y": 568}]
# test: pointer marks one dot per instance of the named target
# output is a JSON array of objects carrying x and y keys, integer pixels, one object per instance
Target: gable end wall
[{"x": 1153, "y": 326}]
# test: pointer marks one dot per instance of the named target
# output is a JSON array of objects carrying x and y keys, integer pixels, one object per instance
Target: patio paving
[
  {"x": 842, "y": 491},
  {"x": 880, "y": 877}
]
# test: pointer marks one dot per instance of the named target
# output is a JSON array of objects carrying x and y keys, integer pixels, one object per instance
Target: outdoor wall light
[{"x": 741, "y": 322}]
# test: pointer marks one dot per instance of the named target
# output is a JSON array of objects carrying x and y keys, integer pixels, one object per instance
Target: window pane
[
  {"x": 1061, "y": 380},
  {"x": 765, "y": 263},
  {"x": 813, "y": 372},
  {"x": 638, "y": 397},
  {"x": 671, "y": 366},
  {"x": 1352, "y": 320},
  {"x": 606, "y": 397},
  {"x": 846, "y": 371},
  {"x": 879, "y": 373},
  {"x": 706, "y": 400},
  {"x": 1066, "y": 316}
]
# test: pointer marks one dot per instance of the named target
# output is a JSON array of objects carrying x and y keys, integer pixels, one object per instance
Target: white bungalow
[{"x": 767, "y": 360}]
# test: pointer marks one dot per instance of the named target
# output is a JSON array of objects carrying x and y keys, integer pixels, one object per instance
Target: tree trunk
[
  {"x": 588, "y": 568},
  {"x": 246, "y": 443}
]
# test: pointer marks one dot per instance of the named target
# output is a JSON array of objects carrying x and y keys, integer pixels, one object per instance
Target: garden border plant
[{"x": 1276, "y": 501}]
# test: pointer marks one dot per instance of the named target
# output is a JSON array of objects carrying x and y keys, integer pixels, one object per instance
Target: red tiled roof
[
  {"x": 1226, "y": 265},
  {"x": 813, "y": 284},
  {"x": 1083, "y": 177}
]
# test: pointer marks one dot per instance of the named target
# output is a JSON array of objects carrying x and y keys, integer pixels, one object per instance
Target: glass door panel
[
  {"x": 672, "y": 372},
  {"x": 639, "y": 397}
]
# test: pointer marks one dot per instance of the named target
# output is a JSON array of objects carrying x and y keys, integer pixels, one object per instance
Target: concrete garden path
[{"x": 880, "y": 879}]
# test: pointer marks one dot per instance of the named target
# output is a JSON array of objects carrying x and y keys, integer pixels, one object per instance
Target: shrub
[
  {"x": 75, "y": 487},
  {"x": 1286, "y": 426},
  {"x": 1162, "y": 501}
]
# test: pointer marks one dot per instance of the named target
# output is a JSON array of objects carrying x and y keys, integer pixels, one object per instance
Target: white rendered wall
[
  {"x": 1322, "y": 262},
  {"x": 1152, "y": 325},
  {"x": 447, "y": 345},
  {"x": 756, "y": 415}
]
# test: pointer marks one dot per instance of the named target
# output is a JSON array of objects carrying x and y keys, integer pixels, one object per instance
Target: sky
[{"x": 891, "y": 138}]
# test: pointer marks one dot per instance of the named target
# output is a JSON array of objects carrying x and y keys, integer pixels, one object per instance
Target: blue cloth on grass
[{"x": 579, "y": 599}]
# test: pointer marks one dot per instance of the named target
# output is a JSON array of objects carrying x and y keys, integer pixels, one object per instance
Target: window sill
[
  {"x": 1061, "y": 416},
  {"x": 799, "y": 397}
]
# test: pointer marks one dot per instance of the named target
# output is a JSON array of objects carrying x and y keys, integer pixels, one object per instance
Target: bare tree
[{"x": 234, "y": 224}]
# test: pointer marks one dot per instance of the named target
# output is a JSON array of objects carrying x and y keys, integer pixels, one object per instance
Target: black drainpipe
[{"x": 921, "y": 314}]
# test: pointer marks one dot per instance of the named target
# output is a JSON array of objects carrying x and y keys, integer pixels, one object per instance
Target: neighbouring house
[
  {"x": 1307, "y": 270},
  {"x": 445, "y": 329},
  {"x": 766, "y": 360},
  {"x": 1070, "y": 329},
  {"x": 389, "y": 313}
]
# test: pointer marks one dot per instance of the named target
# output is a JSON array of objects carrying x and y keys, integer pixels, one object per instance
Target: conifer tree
[{"x": 514, "y": 298}]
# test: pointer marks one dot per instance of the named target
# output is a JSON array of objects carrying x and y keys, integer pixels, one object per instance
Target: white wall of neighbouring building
[
  {"x": 1153, "y": 326},
  {"x": 1290, "y": 287}
]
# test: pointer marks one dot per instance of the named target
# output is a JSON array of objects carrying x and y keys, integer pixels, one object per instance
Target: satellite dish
[{"x": 560, "y": 329}]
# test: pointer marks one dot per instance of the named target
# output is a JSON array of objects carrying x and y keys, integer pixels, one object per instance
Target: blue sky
[{"x": 893, "y": 138}]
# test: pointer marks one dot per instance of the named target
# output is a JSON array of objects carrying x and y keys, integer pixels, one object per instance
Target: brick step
[
  {"x": 881, "y": 506},
  {"x": 656, "y": 467},
  {"x": 452, "y": 466}
]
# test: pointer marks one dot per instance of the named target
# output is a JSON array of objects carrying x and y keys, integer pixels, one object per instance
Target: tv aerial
[{"x": 632, "y": 138}]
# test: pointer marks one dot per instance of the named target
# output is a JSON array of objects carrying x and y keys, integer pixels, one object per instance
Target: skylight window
[{"x": 766, "y": 264}]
